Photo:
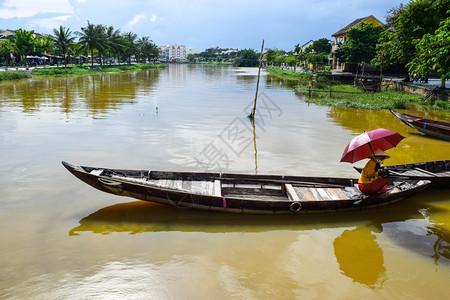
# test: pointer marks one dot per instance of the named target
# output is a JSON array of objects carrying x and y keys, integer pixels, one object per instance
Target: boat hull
[
  {"x": 238, "y": 193},
  {"x": 433, "y": 128}
]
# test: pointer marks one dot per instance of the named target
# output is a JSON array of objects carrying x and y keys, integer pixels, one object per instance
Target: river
[{"x": 61, "y": 239}]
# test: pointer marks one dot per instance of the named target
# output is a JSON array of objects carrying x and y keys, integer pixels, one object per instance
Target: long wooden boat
[
  {"x": 437, "y": 172},
  {"x": 437, "y": 129},
  {"x": 238, "y": 193}
]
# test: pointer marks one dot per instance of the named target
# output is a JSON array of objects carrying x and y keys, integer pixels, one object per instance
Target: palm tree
[
  {"x": 63, "y": 40},
  {"x": 131, "y": 48},
  {"x": 92, "y": 38},
  {"x": 114, "y": 41},
  {"x": 143, "y": 46},
  {"x": 147, "y": 49}
]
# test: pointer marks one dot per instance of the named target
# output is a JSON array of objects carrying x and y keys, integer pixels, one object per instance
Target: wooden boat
[
  {"x": 437, "y": 172},
  {"x": 238, "y": 193},
  {"x": 437, "y": 129}
]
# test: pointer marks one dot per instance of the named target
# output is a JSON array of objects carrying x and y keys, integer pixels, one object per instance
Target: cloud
[
  {"x": 49, "y": 23},
  {"x": 30, "y": 8},
  {"x": 135, "y": 20}
]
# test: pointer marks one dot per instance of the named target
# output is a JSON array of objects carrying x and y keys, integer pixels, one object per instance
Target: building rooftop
[{"x": 344, "y": 30}]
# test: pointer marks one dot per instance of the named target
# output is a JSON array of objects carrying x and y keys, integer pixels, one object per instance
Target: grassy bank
[
  {"x": 12, "y": 75},
  {"x": 290, "y": 74},
  {"x": 214, "y": 63},
  {"x": 87, "y": 69},
  {"x": 350, "y": 96}
]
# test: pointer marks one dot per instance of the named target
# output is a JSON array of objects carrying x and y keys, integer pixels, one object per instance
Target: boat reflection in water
[{"x": 414, "y": 224}]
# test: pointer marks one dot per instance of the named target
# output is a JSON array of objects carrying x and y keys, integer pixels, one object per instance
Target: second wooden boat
[
  {"x": 437, "y": 129},
  {"x": 239, "y": 193}
]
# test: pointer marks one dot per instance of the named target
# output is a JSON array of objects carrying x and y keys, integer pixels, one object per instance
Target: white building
[
  {"x": 173, "y": 52},
  {"x": 192, "y": 50}
]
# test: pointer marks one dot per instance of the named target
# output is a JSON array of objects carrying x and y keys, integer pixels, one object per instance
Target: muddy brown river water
[{"x": 61, "y": 239}]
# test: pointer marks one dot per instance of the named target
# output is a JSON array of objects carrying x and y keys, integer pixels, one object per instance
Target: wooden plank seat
[{"x": 299, "y": 193}]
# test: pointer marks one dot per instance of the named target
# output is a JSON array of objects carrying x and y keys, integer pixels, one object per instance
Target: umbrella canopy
[{"x": 364, "y": 145}]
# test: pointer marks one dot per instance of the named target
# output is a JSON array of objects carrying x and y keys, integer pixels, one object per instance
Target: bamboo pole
[{"x": 252, "y": 114}]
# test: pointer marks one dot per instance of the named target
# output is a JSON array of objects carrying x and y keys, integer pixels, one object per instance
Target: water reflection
[
  {"x": 415, "y": 147},
  {"x": 139, "y": 216},
  {"x": 359, "y": 256},
  {"x": 95, "y": 94},
  {"x": 357, "y": 252}
]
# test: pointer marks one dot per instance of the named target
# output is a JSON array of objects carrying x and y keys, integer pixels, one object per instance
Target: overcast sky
[{"x": 199, "y": 23}]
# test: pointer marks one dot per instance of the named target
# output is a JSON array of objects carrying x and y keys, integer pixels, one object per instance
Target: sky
[{"x": 201, "y": 24}]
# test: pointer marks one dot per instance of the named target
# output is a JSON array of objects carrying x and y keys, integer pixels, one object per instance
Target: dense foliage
[
  {"x": 361, "y": 43},
  {"x": 406, "y": 25},
  {"x": 433, "y": 52},
  {"x": 24, "y": 42},
  {"x": 322, "y": 45},
  {"x": 246, "y": 58}
]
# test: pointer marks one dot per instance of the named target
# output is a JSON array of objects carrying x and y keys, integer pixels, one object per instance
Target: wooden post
[
  {"x": 309, "y": 91},
  {"x": 252, "y": 114}
]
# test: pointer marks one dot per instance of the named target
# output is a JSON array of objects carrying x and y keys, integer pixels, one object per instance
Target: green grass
[
  {"x": 290, "y": 74},
  {"x": 356, "y": 98},
  {"x": 218, "y": 63},
  {"x": 12, "y": 75},
  {"x": 87, "y": 69}
]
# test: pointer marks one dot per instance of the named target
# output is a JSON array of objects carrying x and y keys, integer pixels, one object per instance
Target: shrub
[
  {"x": 439, "y": 104},
  {"x": 400, "y": 104},
  {"x": 12, "y": 75}
]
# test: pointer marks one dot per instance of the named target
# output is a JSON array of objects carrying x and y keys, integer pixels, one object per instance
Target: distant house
[
  {"x": 6, "y": 33},
  {"x": 306, "y": 45},
  {"x": 340, "y": 37}
]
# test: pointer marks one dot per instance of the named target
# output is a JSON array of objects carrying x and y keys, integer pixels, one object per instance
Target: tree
[
  {"x": 297, "y": 49},
  {"x": 115, "y": 43},
  {"x": 361, "y": 43},
  {"x": 433, "y": 52},
  {"x": 63, "y": 41},
  {"x": 131, "y": 47},
  {"x": 24, "y": 43},
  {"x": 291, "y": 60},
  {"x": 271, "y": 55},
  {"x": 322, "y": 46},
  {"x": 190, "y": 57},
  {"x": 147, "y": 49},
  {"x": 246, "y": 58},
  {"x": 6, "y": 49},
  {"x": 407, "y": 24},
  {"x": 44, "y": 45},
  {"x": 316, "y": 59},
  {"x": 92, "y": 38}
]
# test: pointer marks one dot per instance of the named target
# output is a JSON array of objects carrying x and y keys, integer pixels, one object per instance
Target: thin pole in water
[{"x": 252, "y": 114}]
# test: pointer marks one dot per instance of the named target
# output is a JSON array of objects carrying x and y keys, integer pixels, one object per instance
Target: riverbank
[
  {"x": 320, "y": 90},
  {"x": 20, "y": 73}
]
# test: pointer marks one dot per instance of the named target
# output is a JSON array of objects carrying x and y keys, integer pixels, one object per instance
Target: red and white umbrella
[{"x": 365, "y": 144}]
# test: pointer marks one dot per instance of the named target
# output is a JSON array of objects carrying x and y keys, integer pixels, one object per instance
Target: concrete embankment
[{"x": 422, "y": 89}]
